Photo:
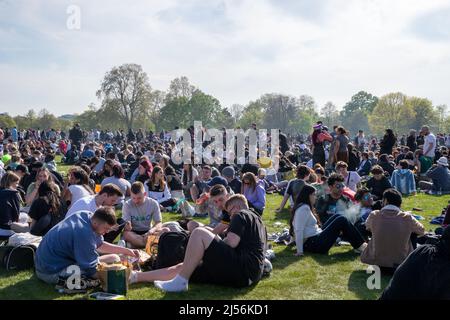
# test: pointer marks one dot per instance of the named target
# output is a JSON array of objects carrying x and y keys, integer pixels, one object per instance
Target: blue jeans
[{"x": 331, "y": 230}]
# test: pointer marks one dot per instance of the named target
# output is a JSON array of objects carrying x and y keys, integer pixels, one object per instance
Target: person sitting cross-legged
[
  {"x": 139, "y": 212},
  {"x": 237, "y": 260}
]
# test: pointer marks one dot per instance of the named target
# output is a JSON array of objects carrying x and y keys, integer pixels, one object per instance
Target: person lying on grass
[
  {"x": 312, "y": 238},
  {"x": 140, "y": 212},
  {"x": 237, "y": 260},
  {"x": 78, "y": 241}
]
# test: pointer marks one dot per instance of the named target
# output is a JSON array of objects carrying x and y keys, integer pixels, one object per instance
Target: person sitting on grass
[
  {"x": 9, "y": 204},
  {"x": 157, "y": 189},
  {"x": 78, "y": 241},
  {"x": 236, "y": 261},
  {"x": 424, "y": 275},
  {"x": 392, "y": 231},
  {"x": 295, "y": 186},
  {"x": 253, "y": 190},
  {"x": 378, "y": 183},
  {"x": 139, "y": 212},
  {"x": 108, "y": 196},
  {"x": 403, "y": 179},
  {"x": 46, "y": 211},
  {"x": 440, "y": 175},
  {"x": 310, "y": 237},
  {"x": 218, "y": 196},
  {"x": 335, "y": 202}
]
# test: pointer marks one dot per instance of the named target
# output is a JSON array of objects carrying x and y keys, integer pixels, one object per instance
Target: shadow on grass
[
  {"x": 358, "y": 283},
  {"x": 209, "y": 292},
  {"x": 330, "y": 259},
  {"x": 31, "y": 288}
]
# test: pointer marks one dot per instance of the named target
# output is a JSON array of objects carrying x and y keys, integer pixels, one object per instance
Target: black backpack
[
  {"x": 17, "y": 258},
  {"x": 171, "y": 249}
]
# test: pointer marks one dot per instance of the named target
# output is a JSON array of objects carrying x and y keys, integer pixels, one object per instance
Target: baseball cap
[{"x": 218, "y": 180}]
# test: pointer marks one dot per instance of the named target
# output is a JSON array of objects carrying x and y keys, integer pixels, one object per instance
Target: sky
[{"x": 235, "y": 50}]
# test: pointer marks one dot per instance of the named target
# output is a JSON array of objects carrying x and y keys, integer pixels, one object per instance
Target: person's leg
[
  {"x": 20, "y": 227},
  {"x": 160, "y": 274},
  {"x": 136, "y": 240},
  {"x": 328, "y": 236},
  {"x": 425, "y": 185},
  {"x": 192, "y": 225},
  {"x": 112, "y": 235}
]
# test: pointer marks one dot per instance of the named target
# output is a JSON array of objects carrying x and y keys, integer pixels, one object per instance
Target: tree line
[{"x": 127, "y": 101}]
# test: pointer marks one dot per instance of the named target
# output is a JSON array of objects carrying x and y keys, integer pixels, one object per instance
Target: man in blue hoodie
[
  {"x": 403, "y": 179},
  {"x": 78, "y": 240}
]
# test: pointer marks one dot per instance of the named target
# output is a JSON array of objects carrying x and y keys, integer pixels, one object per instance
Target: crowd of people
[{"x": 340, "y": 188}]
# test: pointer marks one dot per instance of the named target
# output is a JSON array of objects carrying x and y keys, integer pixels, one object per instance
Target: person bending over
[{"x": 78, "y": 241}]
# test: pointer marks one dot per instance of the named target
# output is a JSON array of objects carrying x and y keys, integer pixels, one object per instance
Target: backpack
[
  {"x": 17, "y": 258},
  {"x": 171, "y": 249}
]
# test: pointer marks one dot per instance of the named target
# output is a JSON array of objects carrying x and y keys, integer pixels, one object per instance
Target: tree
[
  {"x": 174, "y": 113},
  {"x": 354, "y": 115},
  {"x": 31, "y": 117},
  {"x": 392, "y": 111},
  {"x": 90, "y": 119},
  {"x": 329, "y": 114},
  {"x": 180, "y": 87},
  {"x": 280, "y": 111},
  {"x": 46, "y": 120},
  {"x": 307, "y": 103},
  {"x": 6, "y": 121},
  {"x": 236, "y": 111},
  {"x": 441, "y": 114},
  {"x": 127, "y": 90},
  {"x": 252, "y": 113},
  {"x": 424, "y": 113}
]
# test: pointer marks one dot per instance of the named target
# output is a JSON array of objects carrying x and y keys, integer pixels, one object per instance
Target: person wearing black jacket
[
  {"x": 76, "y": 135},
  {"x": 9, "y": 203},
  {"x": 384, "y": 163},
  {"x": 388, "y": 142},
  {"x": 378, "y": 183},
  {"x": 353, "y": 158},
  {"x": 424, "y": 275},
  {"x": 411, "y": 141}
]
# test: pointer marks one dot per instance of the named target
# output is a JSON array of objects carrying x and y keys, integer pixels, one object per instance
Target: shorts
[
  {"x": 221, "y": 266},
  {"x": 139, "y": 232},
  {"x": 52, "y": 278}
]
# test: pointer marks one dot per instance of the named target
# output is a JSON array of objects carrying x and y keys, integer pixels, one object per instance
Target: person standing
[{"x": 429, "y": 144}]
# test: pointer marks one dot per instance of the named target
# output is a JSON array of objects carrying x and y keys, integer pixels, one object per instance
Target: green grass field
[{"x": 339, "y": 275}]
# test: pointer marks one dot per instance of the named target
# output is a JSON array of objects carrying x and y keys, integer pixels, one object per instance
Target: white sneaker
[{"x": 361, "y": 248}]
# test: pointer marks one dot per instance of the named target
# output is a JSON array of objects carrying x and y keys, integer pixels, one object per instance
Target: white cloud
[{"x": 234, "y": 50}]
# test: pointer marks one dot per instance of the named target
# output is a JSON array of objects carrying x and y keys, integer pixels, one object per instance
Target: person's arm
[
  {"x": 417, "y": 227},
  {"x": 299, "y": 229},
  {"x": 194, "y": 192},
  {"x": 336, "y": 148},
  {"x": 260, "y": 202},
  {"x": 108, "y": 248},
  {"x": 220, "y": 228},
  {"x": 412, "y": 183},
  {"x": 369, "y": 221},
  {"x": 285, "y": 198},
  {"x": 134, "y": 175},
  {"x": 166, "y": 195},
  {"x": 31, "y": 195},
  {"x": 232, "y": 239}
]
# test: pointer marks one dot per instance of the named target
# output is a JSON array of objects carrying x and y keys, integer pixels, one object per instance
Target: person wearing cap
[
  {"x": 234, "y": 182},
  {"x": 440, "y": 175}
]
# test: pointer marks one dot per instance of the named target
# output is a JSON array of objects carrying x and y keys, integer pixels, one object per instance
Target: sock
[
  {"x": 133, "y": 277},
  {"x": 177, "y": 284},
  {"x": 362, "y": 247}
]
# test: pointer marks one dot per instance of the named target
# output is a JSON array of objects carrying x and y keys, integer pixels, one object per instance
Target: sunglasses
[{"x": 340, "y": 186}]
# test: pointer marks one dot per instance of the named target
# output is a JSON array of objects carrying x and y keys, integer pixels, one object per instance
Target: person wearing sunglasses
[{"x": 335, "y": 202}]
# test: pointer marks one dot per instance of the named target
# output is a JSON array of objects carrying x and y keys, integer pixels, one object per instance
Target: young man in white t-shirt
[
  {"x": 429, "y": 146},
  {"x": 142, "y": 215},
  {"x": 351, "y": 178},
  {"x": 107, "y": 197}
]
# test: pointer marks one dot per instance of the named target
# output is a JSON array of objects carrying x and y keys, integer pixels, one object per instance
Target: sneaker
[
  {"x": 270, "y": 254},
  {"x": 361, "y": 248}
]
